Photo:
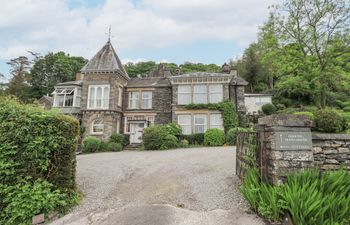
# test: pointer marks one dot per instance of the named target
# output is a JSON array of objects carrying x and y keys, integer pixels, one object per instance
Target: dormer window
[{"x": 66, "y": 97}]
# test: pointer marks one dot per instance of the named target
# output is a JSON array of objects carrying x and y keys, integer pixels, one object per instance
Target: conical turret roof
[{"x": 105, "y": 60}]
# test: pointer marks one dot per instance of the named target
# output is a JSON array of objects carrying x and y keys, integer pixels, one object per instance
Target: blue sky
[{"x": 207, "y": 31}]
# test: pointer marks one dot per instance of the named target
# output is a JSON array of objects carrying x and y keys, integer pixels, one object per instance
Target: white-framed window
[
  {"x": 134, "y": 99},
  {"x": 98, "y": 97},
  {"x": 185, "y": 122},
  {"x": 97, "y": 126},
  {"x": 200, "y": 94},
  {"x": 146, "y": 100},
  {"x": 64, "y": 97},
  {"x": 120, "y": 96},
  {"x": 184, "y": 94},
  {"x": 200, "y": 123},
  {"x": 215, "y": 93},
  {"x": 216, "y": 121}
]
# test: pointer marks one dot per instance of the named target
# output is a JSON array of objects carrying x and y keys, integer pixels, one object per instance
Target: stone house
[{"x": 106, "y": 100}]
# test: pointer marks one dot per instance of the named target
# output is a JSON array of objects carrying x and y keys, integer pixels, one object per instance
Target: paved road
[{"x": 182, "y": 187}]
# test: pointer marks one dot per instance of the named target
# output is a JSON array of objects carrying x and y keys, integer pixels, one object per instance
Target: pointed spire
[
  {"x": 105, "y": 60},
  {"x": 109, "y": 33}
]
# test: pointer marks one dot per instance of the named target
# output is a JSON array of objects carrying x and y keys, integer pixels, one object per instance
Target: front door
[{"x": 136, "y": 132}]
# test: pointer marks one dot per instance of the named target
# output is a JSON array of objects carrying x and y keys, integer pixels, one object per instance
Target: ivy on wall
[{"x": 228, "y": 113}]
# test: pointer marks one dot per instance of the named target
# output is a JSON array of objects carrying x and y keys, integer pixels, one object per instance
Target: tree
[
  {"x": 19, "y": 71},
  {"x": 51, "y": 69},
  {"x": 140, "y": 68},
  {"x": 320, "y": 31},
  {"x": 252, "y": 70}
]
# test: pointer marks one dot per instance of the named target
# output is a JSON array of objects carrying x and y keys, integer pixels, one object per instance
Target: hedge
[
  {"x": 37, "y": 148},
  {"x": 193, "y": 139},
  {"x": 214, "y": 137}
]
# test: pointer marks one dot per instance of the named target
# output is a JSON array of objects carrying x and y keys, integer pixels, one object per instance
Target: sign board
[{"x": 293, "y": 141}]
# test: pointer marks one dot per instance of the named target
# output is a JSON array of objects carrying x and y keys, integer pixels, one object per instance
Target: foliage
[
  {"x": 325, "y": 197},
  {"x": 329, "y": 120},
  {"x": 231, "y": 136},
  {"x": 184, "y": 143},
  {"x": 169, "y": 142},
  {"x": 214, "y": 137},
  {"x": 92, "y": 144},
  {"x": 174, "y": 129},
  {"x": 25, "y": 199},
  {"x": 227, "y": 108},
  {"x": 114, "y": 147},
  {"x": 269, "y": 109},
  {"x": 309, "y": 115},
  {"x": 157, "y": 138},
  {"x": 193, "y": 139},
  {"x": 51, "y": 69},
  {"x": 37, "y": 159},
  {"x": 123, "y": 139}
]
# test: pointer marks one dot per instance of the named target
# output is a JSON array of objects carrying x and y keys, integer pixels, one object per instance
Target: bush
[
  {"x": 92, "y": 144},
  {"x": 309, "y": 115},
  {"x": 231, "y": 135},
  {"x": 329, "y": 120},
  {"x": 35, "y": 144},
  {"x": 170, "y": 141},
  {"x": 114, "y": 147},
  {"x": 154, "y": 137},
  {"x": 173, "y": 129},
  {"x": 346, "y": 109},
  {"x": 214, "y": 137},
  {"x": 184, "y": 143},
  {"x": 193, "y": 139},
  {"x": 269, "y": 109},
  {"x": 126, "y": 139},
  {"x": 117, "y": 138}
]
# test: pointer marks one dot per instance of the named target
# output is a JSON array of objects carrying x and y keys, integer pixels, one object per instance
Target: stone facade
[
  {"x": 105, "y": 71},
  {"x": 331, "y": 151}
]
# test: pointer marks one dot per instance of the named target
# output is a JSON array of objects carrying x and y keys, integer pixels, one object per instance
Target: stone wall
[
  {"x": 331, "y": 151},
  {"x": 239, "y": 90}
]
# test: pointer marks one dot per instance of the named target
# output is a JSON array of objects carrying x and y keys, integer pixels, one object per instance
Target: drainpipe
[{"x": 236, "y": 99}]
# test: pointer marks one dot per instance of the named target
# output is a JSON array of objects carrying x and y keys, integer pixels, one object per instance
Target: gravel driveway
[{"x": 182, "y": 186}]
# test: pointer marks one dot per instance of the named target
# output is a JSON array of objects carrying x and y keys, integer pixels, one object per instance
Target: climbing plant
[{"x": 228, "y": 113}]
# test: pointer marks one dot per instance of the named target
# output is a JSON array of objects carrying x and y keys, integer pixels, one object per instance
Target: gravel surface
[{"x": 182, "y": 186}]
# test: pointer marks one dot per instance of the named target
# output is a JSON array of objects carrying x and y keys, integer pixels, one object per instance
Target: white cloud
[{"x": 42, "y": 26}]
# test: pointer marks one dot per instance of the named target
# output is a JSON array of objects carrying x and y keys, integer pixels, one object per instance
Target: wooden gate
[{"x": 250, "y": 152}]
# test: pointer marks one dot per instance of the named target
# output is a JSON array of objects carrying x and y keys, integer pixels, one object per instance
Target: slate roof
[
  {"x": 105, "y": 60},
  {"x": 71, "y": 83},
  {"x": 149, "y": 82}
]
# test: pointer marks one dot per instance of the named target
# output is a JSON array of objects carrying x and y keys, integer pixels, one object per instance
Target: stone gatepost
[{"x": 285, "y": 145}]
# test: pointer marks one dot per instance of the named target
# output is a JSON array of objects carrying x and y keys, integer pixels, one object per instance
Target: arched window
[{"x": 97, "y": 126}]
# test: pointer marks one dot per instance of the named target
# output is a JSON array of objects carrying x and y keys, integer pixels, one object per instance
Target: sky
[{"x": 206, "y": 31}]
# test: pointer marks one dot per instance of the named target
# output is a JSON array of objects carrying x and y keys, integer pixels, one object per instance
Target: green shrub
[
  {"x": 169, "y": 142},
  {"x": 35, "y": 144},
  {"x": 117, "y": 138},
  {"x": 269, "y": 109},
  {"x": 251, "y": 187},
  {"x": 309, "y": 115},
  {"x": 92, "y": 144},
  {"x": 329, "y": 120},
  {"x": 173, "y": 129},
  {"x": 126, "y": 139},
  {"x": 193, "y": 139},
  {"x": 157, "y": 138},
  {"x": 214, "y": 137},
  {"x": 231, "y": 135},
  {"x": 114, "y": 147},
  {"x": 184, "y": 143}
]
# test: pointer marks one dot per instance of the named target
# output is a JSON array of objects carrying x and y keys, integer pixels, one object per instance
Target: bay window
[
  {"x": 184, "y": 94},
  {"x": 66, "y": 97},
  {"x": 200, "y": 123},
  {"x": 185, "y": 122},
  {"x": 98, "y": 97},
  {"x": 200, "y": 94},
  {"x": 215, "y": 93},
  {"x": 216, "y": 121}
]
